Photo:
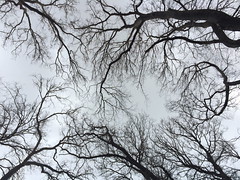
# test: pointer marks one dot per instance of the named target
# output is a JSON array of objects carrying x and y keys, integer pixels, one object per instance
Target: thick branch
[
  {"x": 219, "y": 21},
  {"x": 225, "y": 21}
]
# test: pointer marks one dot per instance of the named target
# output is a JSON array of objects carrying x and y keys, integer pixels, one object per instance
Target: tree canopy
[{"x": 190, "y": 48}]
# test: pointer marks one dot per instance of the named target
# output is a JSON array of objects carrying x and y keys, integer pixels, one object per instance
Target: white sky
[{"x": 20, "y": 69}]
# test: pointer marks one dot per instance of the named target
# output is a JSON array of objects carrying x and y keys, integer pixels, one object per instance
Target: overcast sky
[{"x": 20, "y": 69}]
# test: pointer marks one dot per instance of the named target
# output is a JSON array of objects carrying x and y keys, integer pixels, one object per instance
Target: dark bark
[
  {"x": 219, "y": 21},
  {"x": 12, "y": 172},
  {"x": 225, "y": 21}
]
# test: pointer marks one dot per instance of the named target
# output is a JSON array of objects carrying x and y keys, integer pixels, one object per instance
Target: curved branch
[
  {"x": 218, "y": 20},
  {"x": 225, "y": 21}
]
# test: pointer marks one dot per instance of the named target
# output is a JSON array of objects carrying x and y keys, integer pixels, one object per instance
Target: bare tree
[
  {"x": 178, "y": 149},
  {"x": 189, "y": 45},
  {"x": 206, "y": 91},
  {"x": 162, "y": 38},
  {"x": 199, "y": 149},
  {"x": 30, "y": 135},
  {"x": 42, "y": 30}
]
